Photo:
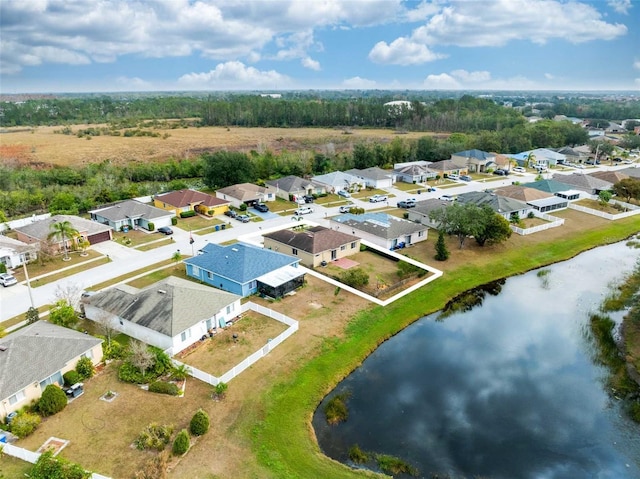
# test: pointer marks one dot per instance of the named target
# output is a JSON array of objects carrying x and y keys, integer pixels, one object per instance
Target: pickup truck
[{"x": 378, "y": 198}]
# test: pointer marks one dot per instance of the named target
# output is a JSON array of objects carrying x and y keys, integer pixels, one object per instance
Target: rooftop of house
[
  {"x": 550, "y": 186},
  {"x": 183, "y": 198},
  {"x": 10, "y": 244},
  {"x": 337, "y": 179},
  {"x": 522, "y": 193},
  {"x": 130, "y": 209},
  {"x": 21, "y": 366},
  {"x": 499, "y": 204},
  {"x": 41, "y": 229},
  {"x": 372, "y": 173},
  {"x": 379, "y": 224},
  {"x": 477, "y": 154},
  {"x": 244, "y": 191},
  {"x": 239, "y": 262},
  {"x": 169, "y": 306},
  {"x": 444, "y": 166},
  {"x": 314, "y": 240},
  {"x": 583, "y": 182}
]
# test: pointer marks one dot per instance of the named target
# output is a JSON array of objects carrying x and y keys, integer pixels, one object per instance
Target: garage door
[{"x": 99, "y": 237}]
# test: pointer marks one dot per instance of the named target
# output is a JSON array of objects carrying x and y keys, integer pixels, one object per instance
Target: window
[
  {"x": 232, "y": 306},
  {"x": 209, "y": 275},
  {"x": 343, "y": 247},
  {"x": 353, "y": 245},
  {"x": 121, "y": 323},
  {"x": 88, "y": 354},
  {"x": 53, "y": 379},
  {"x": 185, "y": 335},
  {"x": 17, "y": 397},
  {"x": 294, "y": 251},
  {"x": 195, "y": 270},
  {"x": 420, "y": 234}
]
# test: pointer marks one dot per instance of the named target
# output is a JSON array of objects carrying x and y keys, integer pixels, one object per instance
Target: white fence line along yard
[
  {"x": 633, "y": 210},
  {"x": 32, "y": 457},
  {"x": 253, "y": 358},
  {"x": 553, "y": 222}
]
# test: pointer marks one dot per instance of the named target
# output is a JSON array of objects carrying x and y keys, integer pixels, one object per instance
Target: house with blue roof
[
  {"x": 474, "y": 160},
  {"x": 245, "y": 269}
]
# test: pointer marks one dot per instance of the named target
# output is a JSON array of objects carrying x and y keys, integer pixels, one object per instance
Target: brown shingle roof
[
  {"x": 314, "y": 240},
  {"x": 182, "y": 198},
  {"x": 522, "y": 193},
  {"x": 610, "y": 176}
]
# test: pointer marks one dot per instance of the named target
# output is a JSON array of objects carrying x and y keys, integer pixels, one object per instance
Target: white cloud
[
  {"x": 636, "y": 64},
  {"x": 478, "y": 80},
  {"x": 443, "y": 81},
  {"x": 234, "y": 75},
  {"x": 549, "y": 76},
  {"x": 423, "y": 11},
  {"x": 471, "y": 77},
  {"x": 402, "y": 51},
  {"x": 310, "y": 63},
  {"x": 620, "y": 6},
  {"x": 357, "y": 83},
  {"x": 133, "y": 83}
]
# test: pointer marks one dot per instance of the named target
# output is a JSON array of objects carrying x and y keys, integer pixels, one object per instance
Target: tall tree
[
  {"x": 494, "y": 227},
  {"x": 462, "y": 220},
  {"x": 62, "y": 231},
  {"x": 627, "y": 188},
  {"x": 225, "y": 168}
]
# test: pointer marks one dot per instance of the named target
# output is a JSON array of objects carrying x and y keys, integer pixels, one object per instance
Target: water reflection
[
  {"x": 470, "y": 299},
  {"x": 506, "y": 390}
]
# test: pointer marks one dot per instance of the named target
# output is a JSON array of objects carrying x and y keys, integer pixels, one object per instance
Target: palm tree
[
  {"x": 530, "y": 158},
  {"x": 61, "y": 231}
]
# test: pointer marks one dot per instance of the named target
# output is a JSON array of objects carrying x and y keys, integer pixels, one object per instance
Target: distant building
[{"x": 380, "y": 229}]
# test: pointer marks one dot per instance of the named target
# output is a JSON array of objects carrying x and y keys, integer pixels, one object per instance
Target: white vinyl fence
[
  {"x": 32, "y": 457},
  {"x": 552, "y": 222},
  {"x": 248, "y": 361},
  {"x": 631, "y": 210}
]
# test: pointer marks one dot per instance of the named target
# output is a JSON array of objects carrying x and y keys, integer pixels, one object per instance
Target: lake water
[{"x": 505, "y": 390}]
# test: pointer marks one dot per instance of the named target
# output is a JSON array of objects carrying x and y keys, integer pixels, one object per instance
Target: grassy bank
[{"x": 280, "y": 429}]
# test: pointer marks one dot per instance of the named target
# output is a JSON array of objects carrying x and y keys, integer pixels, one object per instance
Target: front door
[{"x": 334, "y": 254}]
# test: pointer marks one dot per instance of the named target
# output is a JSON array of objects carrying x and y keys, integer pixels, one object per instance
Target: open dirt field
[{"x": 41, "y": 146}]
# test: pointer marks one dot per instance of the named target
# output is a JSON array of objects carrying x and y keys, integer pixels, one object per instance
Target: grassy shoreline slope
[{"x": 281, "y": 433}]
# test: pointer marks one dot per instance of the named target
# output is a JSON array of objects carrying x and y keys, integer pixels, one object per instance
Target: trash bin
[
  {"x": 223, "y": 226},
  {"x": 125, "y": 229},
  {"x": 217, "y": 227},
  {"x": 10, "y": 417}
]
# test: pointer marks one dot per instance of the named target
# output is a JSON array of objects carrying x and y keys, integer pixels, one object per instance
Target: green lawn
[{"x": 68, "y": 272}]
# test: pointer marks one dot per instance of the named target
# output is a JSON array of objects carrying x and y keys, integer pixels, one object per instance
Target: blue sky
[{"x": 148, "y": 45}]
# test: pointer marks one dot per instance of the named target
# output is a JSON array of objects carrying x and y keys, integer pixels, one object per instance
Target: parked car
[
  {"x": 87, "y": 294},
  {"x": 345, "y": 208},
  {"x": 243, "y": 218},
  {"x": 165, "y": 230},
  {"x": 308, "y": 198},
  {"x": 261, "y": 207},
  {"x": 344, "y": 194},
  {"x": 466, "y": 178},
  {"x": 520, "y": 169},
  {"x": 447, "y": 198},
  {"x": 304, "y": 210},
  {"x": 501, "y": 172},
  {"x": 231, "y": 213},
  {"x": 431, "y": 189},
  {"x": 453, "y": 177},
  {"x": 378, "y": 198},
  {"x": 406, "y": 204},
  {"x": 7, "y": 280}
]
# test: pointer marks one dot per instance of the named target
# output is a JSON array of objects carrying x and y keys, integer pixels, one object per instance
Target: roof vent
[
  {"x": 234, "y": 249},
  {"x": 162, "y": 291}
]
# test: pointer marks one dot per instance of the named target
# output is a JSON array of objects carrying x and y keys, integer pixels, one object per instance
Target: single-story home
[
  {"x": 246, "y": 193},
  {"x": 245, "y": 269},
  {"x": 557, "y": 188},
  {"x": 414, "y": 174},
  {"x": 373, "y": 177},
  {"x": 448, "y": 167},
  {"x": 612, "y": 176},
  {"x": 420, "y": 214},
  {"x": 587, "y": 183},
  {"x": 537, "y": 199},
  {"x": 380, "y": 229},
  {"x": 338, "y": 181},
  {"x": 539, "y": 158},
  {"x": 632, "y": 172},
  {"x": 313, "y": 246},
  {"x": 171, "y": 314},
  {"x": 572, "y": 155},
  {"x": 477, "y": 161},
  {"x": 190, "y": 200},
  {"x": 37, "y": 355},
  {"x": 504, "y": 206},
  {"x": 14, "y": 253},
  {"x": 292, "y": 188},
  {"x": 132, "y": 214},
  {"x": 38, "y": 231}
]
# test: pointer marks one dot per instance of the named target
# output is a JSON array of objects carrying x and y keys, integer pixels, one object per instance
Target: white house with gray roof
[
  {"x": 380, "y": 229},
  {"x": 339, "y": 180},
  {"x": 14, "y": 253},
  {"x": 374, "y": 177},
  {"x": 37, "y": 355},
  {"x": 133, "y": 214},
  {"x": 171, "y": 314}
]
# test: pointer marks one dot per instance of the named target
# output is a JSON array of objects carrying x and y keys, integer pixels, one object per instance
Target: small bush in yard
[
  {"x": 181, "y": 443},
  {"x": 49, "y": 467},
  {"x": 187, "y": 214},
  {"x": 84, "y": 367},
  {"x": 24, "y": 424},
  {"x": 154, "y": 436},
  {"x": 199, "y": 423},
  {"x": 155, "y": 468},
  {"x": 53, "y": 400},
  {"x": 71, "y": 378},
  {"x": 164, "y": 388}
]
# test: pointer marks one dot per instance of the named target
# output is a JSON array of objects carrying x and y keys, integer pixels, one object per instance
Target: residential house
[
  {"x": 557, "y": 188},
  {"x": 292, "y": 188},
  {"x": 313, "y": 246},
  {"x": 611, "y": 176},
  {"x": 414, "y": 174},
  {"x": 338, "y": 180},
  {"x": 14, "y": 253},
  {"x": 132, "y": 214},
  {"x": 380, "y": 229},
  {"x": 572, "y": 155},
  {"x": 447, "y": 167},
  {"x": 539, "y": 200},
  {"x": 38, "y": 231},
  {"x": 37, "y": 355},
  {"x": 244, "y": 269},
  {"x": 190, "y": 200},
  {"x": 539, "y": 158},
  {"x": 506, "y": 207},
  {"x": 373, "y": 177},
  {"x": 245, "y": 193},
  {"x": 420, "y": 214},
  {"x": 171, "y": 314},
  {"x": 587, "y": 183},
  {"x": 477, "y": 161},
  {"x": 632, "y": 172}
]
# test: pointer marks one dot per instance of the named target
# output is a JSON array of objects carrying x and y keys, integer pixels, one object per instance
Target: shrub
[
  {"x": 180, "y": 373},
  {"x": 442, "y": 252},
  {"x": 49, "y": 467},
  {"x": 531, "y": 215},
  {"x": 357, "y": 455},
  {"x": 24, "y": 424},
  {"x": 181, "y": 443},
  {"x": 151, "y": 226},
  {"x": 84, "y": 367},
  {"x": 187, "y": 214},
  {"x": 243, "y": 207},
  {"x": 130, "y": 374},
  {"x": 32, "y": 315},
  {"x": 154, "y": 436},
  {"x": 393, "y": 465},
  {"x": 174, "y": 221},
  {"x": 71, "y": 378},
  {"x": 163, "y": 387},
  {"x": 155, "y": 468},
  {"x": 220, "y": 390},
  {"x": 115, "y": 350},
  {"x": 355, "y": 277},
  {"x": 52, "y": 401},
  {"x": 3, "y": 268},
  {"x": 336, "y": 409},
  {"x": 199, "y": 423}
]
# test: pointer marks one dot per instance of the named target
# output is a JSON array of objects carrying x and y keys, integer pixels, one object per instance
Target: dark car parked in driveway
[
  {"x": 165, "y": 230},
  {"x": 308, "y": 198},
  {"x": 261, "y": 207},
  {"x": 231, "y": 213},
  {"x": 501, "y": 172},
  {"x": 406, "y": 204}
]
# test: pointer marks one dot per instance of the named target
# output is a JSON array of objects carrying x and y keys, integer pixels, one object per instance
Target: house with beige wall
[
  {"x": 191, "y": 200},
  {"x": 38, "y": 355},
  {"x": 314, "y": 245}
]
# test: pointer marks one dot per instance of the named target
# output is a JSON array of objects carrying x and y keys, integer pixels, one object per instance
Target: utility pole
[{"x": 26, "y": 276}]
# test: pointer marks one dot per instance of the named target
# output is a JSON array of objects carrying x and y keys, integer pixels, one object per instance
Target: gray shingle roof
[
  {"x": 240, "y": 262},
  {"x": 427, "y": 206},
  {"x": 131, "y": 209},
  {"x": 380, "y": 224},
  {"x": 244, "y": 191},
  {"x": 169, "y": 306},
  {"x": 371, "y": 173},
  {"x": 583, "y": 182},
  {"x": 314, "y": 240},
  {"x": 523, "y": 193},
  {"x": 291, "y": 183},
  {"x": 36, "y": 352},
  {"x": 477, "y": 154},
  {"x": 499, "y": 204},
  {"x": 15, "y": 245},
  {"x": 41, "y": 229},
  {"x": 445, "y": 165}
]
